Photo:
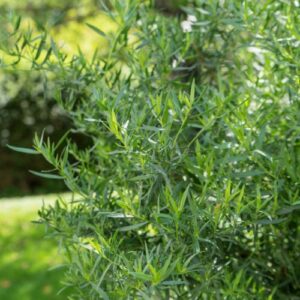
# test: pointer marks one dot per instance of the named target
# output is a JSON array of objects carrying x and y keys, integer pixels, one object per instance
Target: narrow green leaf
[
  {"x": 45, "y": 175},
  {"x": 192, "y": 93},
  {"x": 141, "y": 177},
  {"x": 270, "y": 221},
  {"x": 237, "y": 279},
  {"x": 47, "y": 56},
  {"x": 115, "y": 215},
  {"x": 40, "y": 47},
  {"x": 251, "y": 173},
  {"x": 132, "y": 227},
  {"x": 97, "y": 30},
  {"x": 62, "y": 139},
  {"x": 18, "y": 22},
  {"x": 173, "y": 282},
  {"x": 23, "y": 150},
  {"x": 100, "y": 292},
  {"x": 183, "y": 198},
  {"x": 164, "y": 270},
  {"x": 141, "y": 276},
  {"x": 263, "y": 154},
  {"x": 54, "y": 48},
  {"x": 239, "y": 200},
  {"x": 228, "y": 192}
]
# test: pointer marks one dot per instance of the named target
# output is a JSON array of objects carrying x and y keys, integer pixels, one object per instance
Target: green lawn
[{"x": 26, "y": 256}]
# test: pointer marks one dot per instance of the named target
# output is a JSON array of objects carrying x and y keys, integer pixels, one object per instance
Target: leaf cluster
[{"x": 190, "y": 188}]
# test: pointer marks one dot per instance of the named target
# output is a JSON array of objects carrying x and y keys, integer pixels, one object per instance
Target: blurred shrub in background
[
  {"x": 190, "y": 185},
  {"x": 26, "y": 107}
]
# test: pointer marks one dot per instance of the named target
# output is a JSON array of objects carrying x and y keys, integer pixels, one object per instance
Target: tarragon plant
[{"x": 189, "y": 188}]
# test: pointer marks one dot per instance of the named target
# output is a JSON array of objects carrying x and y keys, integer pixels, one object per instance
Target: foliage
[
  {"x": 190, "y": 189},
  {"x": 27, "y": 102},
  {"x": 27, "y": 258}
]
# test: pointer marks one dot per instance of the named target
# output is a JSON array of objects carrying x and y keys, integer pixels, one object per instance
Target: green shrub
[
  {"x": 190, "y": 189},
  {"x": 27, "y": 102}
]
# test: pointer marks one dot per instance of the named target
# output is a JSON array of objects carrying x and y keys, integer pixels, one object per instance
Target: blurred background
[{"x": 27, "y": 106}]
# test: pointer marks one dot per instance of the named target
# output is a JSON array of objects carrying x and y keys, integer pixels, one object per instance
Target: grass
[{"x": 26, "y": 257}]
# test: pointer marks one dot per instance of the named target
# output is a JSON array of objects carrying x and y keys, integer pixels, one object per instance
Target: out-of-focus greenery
[
  {"x": 24, "y": 109},
  {"x": 26, "y": 257}
]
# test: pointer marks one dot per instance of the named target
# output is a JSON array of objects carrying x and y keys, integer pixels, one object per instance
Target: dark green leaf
[
  {"x": 288, "y": 209},
  {"x": 270, "y": 221}
]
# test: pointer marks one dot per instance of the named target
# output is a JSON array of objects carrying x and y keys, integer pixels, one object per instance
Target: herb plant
[{"x": 190, "y": 184}]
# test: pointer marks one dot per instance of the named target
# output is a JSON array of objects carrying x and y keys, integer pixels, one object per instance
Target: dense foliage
[
  {"x": 27, "y": 102},
  {"x": 190, "y": 187}
]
